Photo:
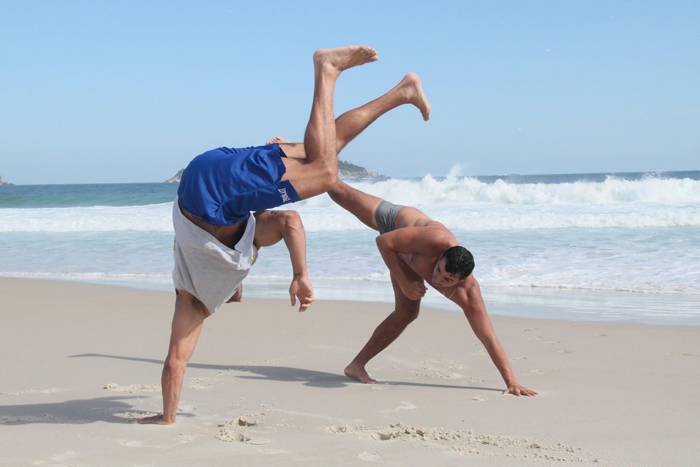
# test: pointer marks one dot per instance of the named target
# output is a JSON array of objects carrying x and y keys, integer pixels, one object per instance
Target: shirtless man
[
  {"x": 418, "y": 249},
  {"x": 217, "y": 239}
]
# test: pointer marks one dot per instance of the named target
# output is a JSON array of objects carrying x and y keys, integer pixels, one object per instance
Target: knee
[
  {"x": 328, "y": 175},
  {"x": 407, "y": 314},
  {"x": 175, "y": 363}
]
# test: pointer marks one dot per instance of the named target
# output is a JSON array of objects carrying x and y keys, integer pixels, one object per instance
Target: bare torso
[
  {"x": 229, "y": 235},
  {"x": 423, "y": 262}
]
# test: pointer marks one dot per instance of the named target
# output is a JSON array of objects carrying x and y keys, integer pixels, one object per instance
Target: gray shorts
[{"x": 385, "y": 216}]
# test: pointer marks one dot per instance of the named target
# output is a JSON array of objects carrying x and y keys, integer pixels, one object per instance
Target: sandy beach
[{"x": 266, "y": 387}]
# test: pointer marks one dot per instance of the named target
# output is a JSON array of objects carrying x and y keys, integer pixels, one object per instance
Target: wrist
[{"x": 299, "y": 274}]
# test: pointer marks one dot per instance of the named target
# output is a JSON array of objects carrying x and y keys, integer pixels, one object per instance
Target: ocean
[{"x": 578, "y": 246}]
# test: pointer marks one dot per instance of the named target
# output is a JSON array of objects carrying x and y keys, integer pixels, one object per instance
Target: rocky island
[
  {"x": 5, "y": 183},
  {"x": 346, "y": 171}
]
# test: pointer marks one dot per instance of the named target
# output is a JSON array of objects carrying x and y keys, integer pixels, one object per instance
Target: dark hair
[{"x": 458, "y": 260}]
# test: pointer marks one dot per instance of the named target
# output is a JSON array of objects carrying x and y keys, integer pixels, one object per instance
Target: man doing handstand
[{"x": 217, "y": 239}]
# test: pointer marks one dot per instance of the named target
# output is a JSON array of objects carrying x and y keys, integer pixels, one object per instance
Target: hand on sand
[
  {"x": 518, "y": 390},
  {"x": 415, "y": 290},
  {"x": 155, "y": 420},
  {"x": 301, "y": 288}
]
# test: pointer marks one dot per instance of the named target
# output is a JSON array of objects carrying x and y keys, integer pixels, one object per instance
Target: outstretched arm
[
  {"x": 273, "y": 226},
  {"x": 470, "y": 300},
  {"x": 187, "y": 325}
]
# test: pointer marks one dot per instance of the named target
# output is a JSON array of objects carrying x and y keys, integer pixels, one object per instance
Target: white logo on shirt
[{"x": 283, "y": 192}]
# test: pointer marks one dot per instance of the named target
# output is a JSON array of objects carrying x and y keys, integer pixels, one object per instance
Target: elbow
[
  {"x": 380, "y": 242},
  {"x": 291, "y": 221}
]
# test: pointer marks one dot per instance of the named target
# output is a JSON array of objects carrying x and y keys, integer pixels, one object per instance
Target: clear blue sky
[{"x": 122, "y": 91}]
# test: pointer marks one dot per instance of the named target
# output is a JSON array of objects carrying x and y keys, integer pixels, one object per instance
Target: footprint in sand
[
  {"x": 340, "y": 429},
  {"x": 370, "y": 456},
  {"x": 133, "y": 388},
  {"x": 130, "y": 444},
  {"x": 199, "y": 383},
  {"x": 30, "y": 391},
  {"x": 67, "y": 456},
  {"x": 275, "y": 451},
  {"x": 404, "y": 406},
  {"x": 25, "y": 418},
  {"x": 379, "y": 387},
  {"x": 254, "y": 441},
  {"x": 186, "y": 407}
]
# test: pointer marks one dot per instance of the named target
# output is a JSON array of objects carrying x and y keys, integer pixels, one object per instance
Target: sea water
[{"x": 578, "y": 246}]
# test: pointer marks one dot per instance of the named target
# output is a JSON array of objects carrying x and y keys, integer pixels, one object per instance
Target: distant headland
[
  {"x": 5, "y": 183},
  {"x": 346, "y": 171}
]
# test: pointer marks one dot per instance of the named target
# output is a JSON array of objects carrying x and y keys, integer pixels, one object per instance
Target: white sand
[{"x": 265, "y": 387}]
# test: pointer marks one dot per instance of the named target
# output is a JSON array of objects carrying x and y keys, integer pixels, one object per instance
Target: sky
[{"x": 130, "y": 91}]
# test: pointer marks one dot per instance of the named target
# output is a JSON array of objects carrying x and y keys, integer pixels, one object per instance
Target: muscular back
[{"x": 412, "y": 217}]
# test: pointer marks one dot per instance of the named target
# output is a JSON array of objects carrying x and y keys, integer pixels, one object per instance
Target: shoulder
[
  {"x": 468, "y": 294},
  {"x": 440, "y": 234}
]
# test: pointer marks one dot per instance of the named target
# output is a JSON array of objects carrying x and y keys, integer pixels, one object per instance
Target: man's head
[{"x": 455, "y": 264}]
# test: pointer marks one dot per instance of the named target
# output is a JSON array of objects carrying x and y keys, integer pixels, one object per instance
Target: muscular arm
[
  {"x": 273, "y": 226},
  {"x": 187, "y": 325},
  {"x": 470, "y": 300},
  {"x": 410, "y": 240}
]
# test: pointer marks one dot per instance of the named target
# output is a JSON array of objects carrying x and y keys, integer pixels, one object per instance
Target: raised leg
[
  {"x": 353, "y": 122},
  {"x": 318, "y": 172},
  {"x": 358, "y": 203},
  {"x": 387, "y": 332}
]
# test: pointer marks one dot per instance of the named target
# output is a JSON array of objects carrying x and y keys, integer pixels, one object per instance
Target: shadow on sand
[{"x": 318, "y": 379}]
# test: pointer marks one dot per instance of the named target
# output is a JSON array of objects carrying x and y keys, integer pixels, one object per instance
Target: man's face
[{"x": 442, "y": 278}]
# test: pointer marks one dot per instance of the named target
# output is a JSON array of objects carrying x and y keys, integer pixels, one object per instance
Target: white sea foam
[
  {"x": 150, "y": 218},
  {"x": 460, "y": 203}
]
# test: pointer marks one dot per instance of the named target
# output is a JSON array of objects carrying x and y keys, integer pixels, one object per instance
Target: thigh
[
  {"x": 360, "y": 204},
  {"x": 294, "y": 150}
]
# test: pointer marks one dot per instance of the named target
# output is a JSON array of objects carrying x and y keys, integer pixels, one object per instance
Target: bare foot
[
  {"x": 278, "y": 140},
  {"x": 359, "y": 373},
  {"x": 342, "y": 58},
  {"x": 155, "y": 420},
  {"x": 411, "y": 87}
]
